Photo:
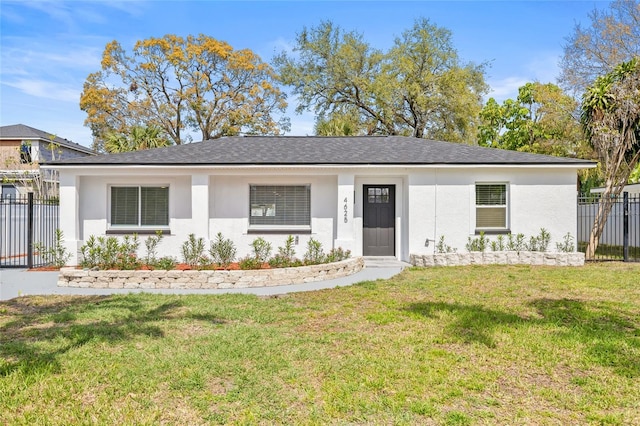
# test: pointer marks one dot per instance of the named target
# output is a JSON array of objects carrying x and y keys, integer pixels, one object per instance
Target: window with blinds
[
  {"x": 280, "y": 205},
  {"x": 491, "y": 206},
  {"x": 139, "y": 206}
]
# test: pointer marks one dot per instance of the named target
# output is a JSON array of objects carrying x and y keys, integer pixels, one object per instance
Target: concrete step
[{"x": 384, "y": 262}]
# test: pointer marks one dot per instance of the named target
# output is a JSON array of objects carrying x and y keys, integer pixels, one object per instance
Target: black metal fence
[
  {"x": 620, "y": 239},
  {"x": 25, "y": 224}
]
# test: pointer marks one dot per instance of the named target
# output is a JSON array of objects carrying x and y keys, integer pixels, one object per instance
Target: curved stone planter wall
[
  {"x": 499, "y": 258},
  {"x": 72, "y": 277}
]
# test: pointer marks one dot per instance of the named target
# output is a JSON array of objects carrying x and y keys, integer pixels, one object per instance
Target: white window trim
[
  {"x": 139, "y": 227},
  {"x": 257, "y": 228},
  {"x": 507, "y": 225}
]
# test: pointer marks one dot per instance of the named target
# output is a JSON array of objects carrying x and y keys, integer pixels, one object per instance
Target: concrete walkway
[{"x": 20, "y": 282}]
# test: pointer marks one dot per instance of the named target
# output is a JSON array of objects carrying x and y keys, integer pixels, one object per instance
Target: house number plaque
[{"x": 346, "y": 208}]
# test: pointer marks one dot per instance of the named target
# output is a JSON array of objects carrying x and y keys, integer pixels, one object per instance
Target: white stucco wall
[
  {"x": 229, "y": 210},
  {"x": 203, "y": 203},
  {"x": 442, "y": 202},
  {"x": 430, "y": 202}
]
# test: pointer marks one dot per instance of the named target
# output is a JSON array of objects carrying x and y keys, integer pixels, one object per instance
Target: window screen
[
  {"x": 280, "y": 205},
  {"x": 139, "y": 206},
  {"x": 491, "y": 206},
  {"x": 154, "y": 206}
]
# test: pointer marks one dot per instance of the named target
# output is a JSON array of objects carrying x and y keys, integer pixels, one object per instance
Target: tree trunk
[
  {"x": 604, "y": 208},
  {"x": 605, "y": 205}
]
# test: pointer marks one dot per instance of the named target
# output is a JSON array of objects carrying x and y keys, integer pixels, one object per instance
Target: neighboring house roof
[
  {"x": 22, "y": 132},
  {"x": 315, "y": 150},
  {"x": 631, "y": 188}
]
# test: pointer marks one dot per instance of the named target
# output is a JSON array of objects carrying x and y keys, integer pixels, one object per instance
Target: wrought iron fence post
[
  {"x": 30, "y": 230},
  {"x": 625, "y": 226}
]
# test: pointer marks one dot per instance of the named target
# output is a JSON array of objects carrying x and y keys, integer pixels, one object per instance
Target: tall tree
[
  {"x": 418, "y": 88},
  {"x": 139, "y": 138},
  {"x": 340, "y": 123},
  {"x": 172, "y": 83},
  {"x": 541, "y": 120},
  {"x": 612, "y": 37},
  {"x": 611, "y": 118}
]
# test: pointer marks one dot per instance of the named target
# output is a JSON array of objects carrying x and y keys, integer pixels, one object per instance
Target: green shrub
[
  {"x": 223, "y": 251},
  {"x": 337, "y": 254},
  {"x": 108, "y": 253},
  {"x": 516, "y": 243},
  {"x": 477, "y": 244},
  {"x": 127, "y": 257},
  {"x": 280, "y": 261},
  {"x": 314, "y": 254},
  {"x": 566, "y": 245},
  {"x": 151, "y": 243},
  {"x": 250, "y": 262},
  {"x": 288, "y": 251},
  {"x": 498, "y": 245},
  {"x": 441, "y": 247},
  {"x": 56, "y": 255},
  {"x": 261, "y": 250},
  {"x": 193, "y": 252},
  {"x": 286, "y": 255},
  {"x": 165, "y": 263},
  {"x": 539, "y": 242}
]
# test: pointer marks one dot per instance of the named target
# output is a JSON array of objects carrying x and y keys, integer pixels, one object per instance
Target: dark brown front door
[{"x": 379, "y": 220}]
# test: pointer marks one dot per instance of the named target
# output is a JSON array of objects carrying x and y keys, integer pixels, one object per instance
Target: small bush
[
  {"x": 108, "y": 253},
  {"x": 337, "y": 254},
  {"x": 314, "y": 254},
  {"x": 127, "y": 257},
  {"x": 56, "y": 255},
  {"x": 288, "y": 251},
  {"x": 516, "y": 243},
  {"x": 261, "y": 250},
  {"x": 477, "y": 244},
  {"x": 441, "y": 247},
  {"x": 286, "y": 255},
  {"x": 151, "y": 243},
  {"x": 223, "y": 251},
  {"x": 279, "y": 261},
  {"x": 250, "y": 262},
  {"x": 165, "y": 263},
  {"x": 540, "y": 242},
  {"x": 498, "y": 245},
  {"x": 193, "y": 252},
  {"x": 566, "y": 245}
]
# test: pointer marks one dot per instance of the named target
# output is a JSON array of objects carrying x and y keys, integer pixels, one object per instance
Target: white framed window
[
  {"x": 492, "y": 207},
  {"x": 279, "y": 207},
  {"x": 139, "y": 206}
]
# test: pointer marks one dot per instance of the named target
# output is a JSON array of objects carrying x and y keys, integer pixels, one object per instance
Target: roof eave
[{"x": 586, "y": 164}]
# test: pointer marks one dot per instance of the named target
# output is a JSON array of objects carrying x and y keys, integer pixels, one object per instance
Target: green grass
[
  {"x": 451, "y": 346},
  {"x": 611, "y": 252}
]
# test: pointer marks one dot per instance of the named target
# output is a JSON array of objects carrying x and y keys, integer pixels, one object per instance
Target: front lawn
[{"x": 459, "y": 345}]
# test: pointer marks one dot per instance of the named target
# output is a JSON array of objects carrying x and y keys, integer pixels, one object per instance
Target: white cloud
[
  {"x": 20, "y": 55},
  {"x": 282, "y": 45},
  {"x": 73, "y": 14},
  {"x": 542, "y": 68},
  {"x": 45, "y": 89},
  {"x": 506, "y": 88}
]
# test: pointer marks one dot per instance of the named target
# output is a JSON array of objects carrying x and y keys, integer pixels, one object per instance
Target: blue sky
[{"x": 47, "y": 48}]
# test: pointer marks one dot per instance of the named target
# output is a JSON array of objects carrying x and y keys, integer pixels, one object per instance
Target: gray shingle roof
[
  {"x": 313, "y": 150},
  {"x": 20, "y": 131}
]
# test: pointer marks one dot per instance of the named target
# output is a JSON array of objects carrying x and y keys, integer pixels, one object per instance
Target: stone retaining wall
[
  {"x": 499, "y": 258},
  {"x": 72, "y": 277}
]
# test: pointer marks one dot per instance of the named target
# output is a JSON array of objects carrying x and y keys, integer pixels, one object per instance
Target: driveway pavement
[{"x": 20, "y": 282}]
